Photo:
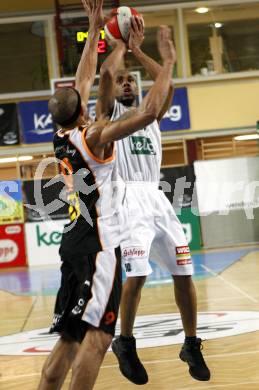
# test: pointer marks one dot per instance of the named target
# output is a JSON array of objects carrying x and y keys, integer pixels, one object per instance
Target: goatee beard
[{"x": 126, "y": 101}]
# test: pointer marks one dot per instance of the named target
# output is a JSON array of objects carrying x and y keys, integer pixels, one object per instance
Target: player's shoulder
[
  {"x": 95, "y": 129},
  {"x": 59, "y": 138},
  {"x": 59, "y": 142},
  {"x": 56, "y": 138}
]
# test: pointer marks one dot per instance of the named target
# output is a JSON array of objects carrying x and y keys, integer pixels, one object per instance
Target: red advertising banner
[{"x": 12, "y": 246}]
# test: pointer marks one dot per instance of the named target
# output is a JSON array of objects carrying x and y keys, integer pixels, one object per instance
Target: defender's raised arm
[{"x": 86, "y": 70}]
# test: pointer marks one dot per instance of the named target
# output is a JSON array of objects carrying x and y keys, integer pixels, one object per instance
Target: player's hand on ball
[
  {"x": 113, "y": 43},
  {"x": 165, "y": 44},
  {"x": 136, "y": 36}
]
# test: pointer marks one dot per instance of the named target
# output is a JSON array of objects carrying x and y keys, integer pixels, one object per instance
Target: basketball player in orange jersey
[
  {"x": 152, "y": 220},
  {"x": 88, "y": 300}
]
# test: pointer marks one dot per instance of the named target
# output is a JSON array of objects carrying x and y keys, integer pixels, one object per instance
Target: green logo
[
  {"x": 53, "y": 238},
  {"x": 141, "y": 145}
]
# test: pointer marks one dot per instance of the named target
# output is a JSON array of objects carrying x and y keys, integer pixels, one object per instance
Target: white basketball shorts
[{"x": 155, "y": 230}]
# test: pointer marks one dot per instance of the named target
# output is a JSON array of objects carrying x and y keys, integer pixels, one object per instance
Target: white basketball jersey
[
  {"x": 139, "y": 155},
  {"x": 96, "y": 195}
]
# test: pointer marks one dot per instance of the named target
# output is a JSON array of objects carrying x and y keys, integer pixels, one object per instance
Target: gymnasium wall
[{"x": 224, "y": 104}]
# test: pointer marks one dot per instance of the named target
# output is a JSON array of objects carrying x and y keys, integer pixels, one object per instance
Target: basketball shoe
[
  {"x": 191, "y": 354},
  {"x": 129, "y": 363}
]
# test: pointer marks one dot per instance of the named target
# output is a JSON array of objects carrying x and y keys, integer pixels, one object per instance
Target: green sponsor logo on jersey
[{"x": 141, "y": 145}]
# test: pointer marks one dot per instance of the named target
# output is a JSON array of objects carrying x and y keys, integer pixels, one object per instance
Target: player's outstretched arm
[
  {"x": 151, "y": 66},
  {"x": 106, "y": 92},
  {"x": 104, "y": 132},
  {"x": 86, "y": 70},
  {"x": 158, "y": 94}
]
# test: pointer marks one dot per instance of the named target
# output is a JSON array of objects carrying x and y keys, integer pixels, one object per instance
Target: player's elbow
[
  {"x": 151, "y": 111},
  {"x": 105, "y": 71},
  {"x": 150, "y": 115}
]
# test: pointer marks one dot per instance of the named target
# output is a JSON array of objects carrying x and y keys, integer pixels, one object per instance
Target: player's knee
[
  {"x": 103, "y": 341},
  {"x": 95, "y": 344},
  {"x": 183, "y": 281},
  {"x": 78, "y": 367},
  {"x": 99, "y": 341},
  {"x": 135, "y": 284},
  {"x": 51, "y": 374}
]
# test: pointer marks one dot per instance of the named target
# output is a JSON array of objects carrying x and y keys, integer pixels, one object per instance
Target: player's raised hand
[
  {"x": 165, "y": 44},
  {"x": 94, "y": 12},
  {"x": 136, "y": 36}
]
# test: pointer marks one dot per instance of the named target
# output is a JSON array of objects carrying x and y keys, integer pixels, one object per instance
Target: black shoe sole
[
  {"x": 114, "y": 350},
  {"x": 193, "y": 375}
]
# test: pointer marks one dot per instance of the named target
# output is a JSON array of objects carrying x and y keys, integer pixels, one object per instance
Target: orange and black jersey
[{"x": 92, "y": 194}]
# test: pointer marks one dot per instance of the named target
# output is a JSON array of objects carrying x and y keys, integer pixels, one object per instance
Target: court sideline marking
[
  {"x": 230, "y": 284},
  {"x": 29, "y": 313}
]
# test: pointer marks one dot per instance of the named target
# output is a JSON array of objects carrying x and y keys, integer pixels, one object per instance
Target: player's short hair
[{"x": 65, "y": 106}]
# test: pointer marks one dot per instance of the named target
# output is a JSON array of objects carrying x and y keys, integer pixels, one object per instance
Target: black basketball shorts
[{"x": 89, "y": 294}]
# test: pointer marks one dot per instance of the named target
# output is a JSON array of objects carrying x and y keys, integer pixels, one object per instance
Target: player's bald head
[{"x": 65, "y": 106}]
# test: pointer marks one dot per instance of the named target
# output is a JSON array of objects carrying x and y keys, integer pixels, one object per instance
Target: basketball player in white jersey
[
  {"x": 88, "y": 299},
  {"x": 153, "y": 222}
]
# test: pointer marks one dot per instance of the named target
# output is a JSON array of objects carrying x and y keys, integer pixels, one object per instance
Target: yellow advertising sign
[{"x": 11, "y": 205}]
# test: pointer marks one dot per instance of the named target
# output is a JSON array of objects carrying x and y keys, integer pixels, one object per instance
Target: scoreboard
[{"x": 81, "y": 37}]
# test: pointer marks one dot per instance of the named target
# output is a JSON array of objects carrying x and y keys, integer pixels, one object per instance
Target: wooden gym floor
[{"x": 228, "y": 302}]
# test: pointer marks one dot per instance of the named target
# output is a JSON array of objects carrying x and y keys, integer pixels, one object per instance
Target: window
[
  {"x": 224, "y": 39},
  {"x": 240, "y": 45},
  {"x": 23, "y": 57},
  {"x": 199, "y": 46}
]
